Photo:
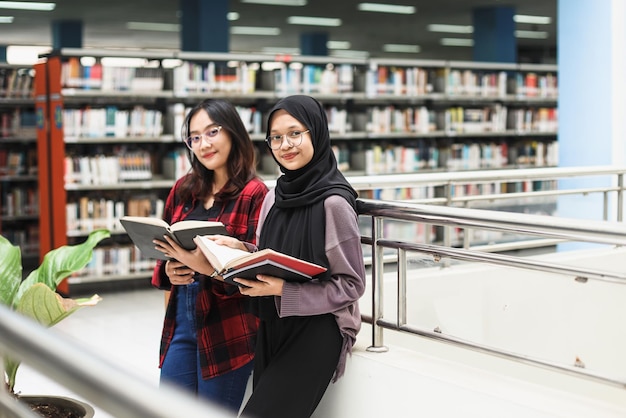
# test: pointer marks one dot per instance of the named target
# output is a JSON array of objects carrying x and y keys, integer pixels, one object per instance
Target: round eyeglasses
[
  {"x": 209, "y": 135},
  {"x": 294, "y": 138}
]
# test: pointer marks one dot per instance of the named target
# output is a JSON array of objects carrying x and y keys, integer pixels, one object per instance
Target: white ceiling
[{"x": 104, "y": 25}]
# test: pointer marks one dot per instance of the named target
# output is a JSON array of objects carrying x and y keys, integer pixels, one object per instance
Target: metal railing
[
  {"x": 447, "y": 183},
  {"x": 101, "y": 382},
  {"x": 604, "y": 232},
  {"x": 116, "y": 391}
]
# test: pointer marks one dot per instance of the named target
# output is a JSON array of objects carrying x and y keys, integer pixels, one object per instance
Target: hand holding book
[{"x": 231, "y": 263}]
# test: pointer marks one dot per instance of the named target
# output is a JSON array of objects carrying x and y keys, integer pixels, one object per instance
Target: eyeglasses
[
  {"x": 294, "y": 138},
  {"x": 209, "y": 135}
]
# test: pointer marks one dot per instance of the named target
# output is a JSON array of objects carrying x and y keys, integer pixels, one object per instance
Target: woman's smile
[
  {"x": 208, "y": 154},
  {"x": 288, "y": 156}
]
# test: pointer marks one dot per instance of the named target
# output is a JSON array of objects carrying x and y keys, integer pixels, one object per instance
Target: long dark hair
[{"x": 241, "y": 160}]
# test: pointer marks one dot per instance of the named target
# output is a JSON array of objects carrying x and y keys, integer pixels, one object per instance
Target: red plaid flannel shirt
[{"x": 226, "y": 328}]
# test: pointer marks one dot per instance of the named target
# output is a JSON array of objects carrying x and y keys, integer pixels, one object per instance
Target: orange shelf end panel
[{"x": 51, "y": 157}]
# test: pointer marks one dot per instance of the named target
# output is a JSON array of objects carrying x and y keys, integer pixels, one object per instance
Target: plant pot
[{"x": 65, "y": 407}]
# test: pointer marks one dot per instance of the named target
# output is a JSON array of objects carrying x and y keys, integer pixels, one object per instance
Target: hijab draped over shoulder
[{"x": 296, "y": 223}]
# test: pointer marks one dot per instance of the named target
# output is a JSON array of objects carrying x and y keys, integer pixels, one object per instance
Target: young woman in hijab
[
  {"x": 307, "y": 329},
  {"x": 209, "y": 332}
]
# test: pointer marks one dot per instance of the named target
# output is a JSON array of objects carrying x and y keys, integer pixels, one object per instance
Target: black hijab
[{"x": 296, "y": 223}]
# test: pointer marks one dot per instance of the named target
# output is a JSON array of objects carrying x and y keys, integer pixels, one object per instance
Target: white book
[
  {"x": 121, "y": 124},
  {"x": 84, "y": 169},
  {"x": 93, "y": 169},
  {"x": 119, "y": 212}
]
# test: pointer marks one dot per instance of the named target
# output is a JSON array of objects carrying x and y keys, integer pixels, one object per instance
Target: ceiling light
[
  {"x": 231, "y": 16},
  {"x": 349, "y": 53},
  {"x": 450, "y": 28},
  {"x": 278, "y": 2},
  {"x": 254, "y": 30},
  {"x": 6, "y": 19},
  {"x": 123, "y": 62},
  {"x": 456, "y": 42},
  {"x": 296, "y": 65},
  {"x": 171, "y": 63},
  {"x": 536, "y": 20},
  {"x": 23, "y": 5},
  {"x": 271, "y": 66},
  {"x": 386, "y": 8},
  {"x": 338, "y": 45},
  {"x": 280, "y": 50},
  {"x": 25, "y": 55},
  {"x": 313, "y": 21},
  {"x": 409, "y": 49},
  {"x": 87, "y": 61},
  {"x": 159, "y": 27},
  {"x": 530, "y": 34}
]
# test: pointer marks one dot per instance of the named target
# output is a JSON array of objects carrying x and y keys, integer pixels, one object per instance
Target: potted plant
[{"x": 37, "y": 298}]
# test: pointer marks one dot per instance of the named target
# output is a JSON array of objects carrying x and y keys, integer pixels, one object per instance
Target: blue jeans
[{"x": 182, "y": 364}]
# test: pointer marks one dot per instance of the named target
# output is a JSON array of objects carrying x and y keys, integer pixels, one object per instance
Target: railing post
[
  {"x": 447, "y": 230},
  {"x": 401, "y": 298},
  {"x": 467, "y": 234},
  {"x": 620, "y": 197},
  {"x": 378, "y": 272}
]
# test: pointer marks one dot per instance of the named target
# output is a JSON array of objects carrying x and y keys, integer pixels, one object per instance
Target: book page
[
  {"x": 221, "y": 254},
  {"x": 179, "y": 226},
  {"x": 225, "y": 259},
  {"x": 147, "y": 220}
]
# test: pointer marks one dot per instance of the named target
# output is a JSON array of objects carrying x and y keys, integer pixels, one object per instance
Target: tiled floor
[{"x": 125, "y": 328}]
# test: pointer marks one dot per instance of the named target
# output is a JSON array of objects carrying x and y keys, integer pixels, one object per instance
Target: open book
[
  {"x": 142, "y": 230},
  {"x": 232, "y": 262}
]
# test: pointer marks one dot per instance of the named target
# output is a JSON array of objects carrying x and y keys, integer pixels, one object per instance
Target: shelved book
[
  {"x": 232, "y": 262},
  {"x": 142, "y": 230}
]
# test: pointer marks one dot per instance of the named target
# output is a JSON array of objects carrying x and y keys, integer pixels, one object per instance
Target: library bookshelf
[
  {"x": 113, "y": 136},
  {"x": 19, "y": 208}
]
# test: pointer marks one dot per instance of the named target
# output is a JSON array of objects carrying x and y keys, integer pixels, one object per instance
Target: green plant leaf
[
  {"x": 10, "y": 270},
  {"x": 62, "y": 262},
  {"x": 47, "y": 307},
  {"x": 10, "y": 368},
  {"x": 36, "y": 296}
]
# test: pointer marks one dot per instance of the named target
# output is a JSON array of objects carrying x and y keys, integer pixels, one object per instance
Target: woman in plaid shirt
[{"x": 209, "y": 332}]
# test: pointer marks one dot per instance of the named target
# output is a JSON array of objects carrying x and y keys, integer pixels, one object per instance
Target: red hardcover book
[{"x": 231, "y": 263}]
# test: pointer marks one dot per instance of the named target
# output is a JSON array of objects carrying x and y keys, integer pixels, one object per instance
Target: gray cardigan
[{"x": 339, "y": 295}]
